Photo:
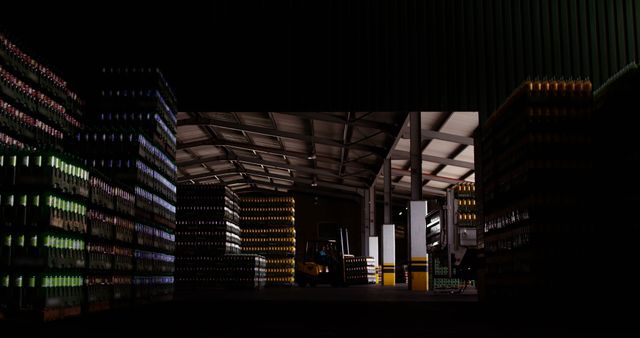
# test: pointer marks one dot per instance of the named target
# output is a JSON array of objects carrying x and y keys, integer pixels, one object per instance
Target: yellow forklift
[{"x": 323, "y": 261}]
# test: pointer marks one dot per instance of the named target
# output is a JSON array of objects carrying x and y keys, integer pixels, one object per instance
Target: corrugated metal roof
[
  {"x": 337, "y": 148},
  {"x": 466, "y": 155},
  {"x": 440, "y": 148}
]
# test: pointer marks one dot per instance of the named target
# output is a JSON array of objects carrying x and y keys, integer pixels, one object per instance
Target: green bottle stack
[{"x": 44, "y": 192}]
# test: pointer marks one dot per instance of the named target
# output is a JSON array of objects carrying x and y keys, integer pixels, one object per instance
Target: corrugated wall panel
[{"x": 470, "y": 54}]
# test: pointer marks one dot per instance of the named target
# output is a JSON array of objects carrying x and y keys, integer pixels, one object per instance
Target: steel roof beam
[
  {"x": 321, "y": 183},
  {"x": 401, "y": 172},
  {"x": 337, "y": 119},
  {"x": 428, "y": 134},
  {"x": 268, "y": 150},
  {"x": 278, "y": 133},
  {"x": 404, "y": 155}
]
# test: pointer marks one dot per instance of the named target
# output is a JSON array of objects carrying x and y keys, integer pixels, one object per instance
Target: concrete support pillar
[
  {"x": 388, "y": 232},
  {"x": 387, "y": 191},
  {"x": 374, "y": 251},
  {"x": 417, "y": 231},
  {"x": 372, "y": 210},
  {"x": 388, "y": 254},
  {"x": 369, "y": 220},
  {"x": 415, "y": 155},
  {"x": 418, "y": 264},
  {"x": 364, "y": 229}
]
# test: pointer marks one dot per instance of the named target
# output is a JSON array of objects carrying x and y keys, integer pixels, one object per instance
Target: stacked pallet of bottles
[
  {"x": 535, "y": 158},
  {"x": 372, "y": 272},
  {"x": 465, "y": 204},
  {"x": 131, "y": 140},
  {"x": 268, "y": 229},
  {"x": 208, "y": 242},
  {"x": 43, "y": 192},
  {"x": 110, "y": 243},
  {"x": 439, "y": 275},
  {"x": 198, "y": 273},
  {"x": 357, "y": 271}
]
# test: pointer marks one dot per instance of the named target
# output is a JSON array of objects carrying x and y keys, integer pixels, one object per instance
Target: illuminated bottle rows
[
  {"x": 208, "y": 242},
  {"x": 358, "y": 270},
  {"x": 132, "y": 142},
  {"x": 43, "y": 192},
  {"x": 44, "y": 171},
  {"x": 268, "y": 229},
  {"x": 42, "y": 72}
]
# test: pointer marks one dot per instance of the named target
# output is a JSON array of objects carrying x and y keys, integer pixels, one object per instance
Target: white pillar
[
  {"x": 418, "y": 263},
  {"x": 388, "y": 254}
]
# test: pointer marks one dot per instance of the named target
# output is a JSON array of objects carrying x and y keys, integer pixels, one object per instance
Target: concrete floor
[{"x": 367, "y": 311}]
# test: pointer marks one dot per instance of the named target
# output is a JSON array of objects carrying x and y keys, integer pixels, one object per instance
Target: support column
[
  {"x": 388, "y": 254},
  {"x": 417, "y": 228},
  {"x": 388, "y": 232},
  {"x": 418, "y": 265},
  {"x": 372, "y": 210},
  {"x": 387, "y": 191},
  {"x": 415, "y": 155},
  {"x": 364, "y": 229}
]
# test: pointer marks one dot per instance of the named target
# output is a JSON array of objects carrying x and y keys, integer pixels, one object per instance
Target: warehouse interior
[{"x": 320, "y": 169}]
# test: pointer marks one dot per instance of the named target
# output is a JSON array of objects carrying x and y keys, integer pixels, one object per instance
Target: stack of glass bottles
[
  {"x": 44, "y": 192},
  {"x": 268, "y": 229},
  {"x": 208, "y": 242}
]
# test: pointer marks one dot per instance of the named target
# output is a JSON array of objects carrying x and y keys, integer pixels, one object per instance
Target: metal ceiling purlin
[
  {"x": 402, "y": 172},
  {"x": 207, "y": 175},
  {"x": 198, "y": 161},
  {"x": 455, "y": 153},
  {"x": 347, "y": 132},
  {"x": 235, "y": 116},
  {"x": 393, "y": 145},
  {"x": 428, "y": 134},
  {"x": 268, "y": 150},
  {"x": 321, "y": 183},
  {"x": 192, "y": 154},
  {"x": 441, "y": 122},
  {"x": 407, "y": 196},
  {"x": 213, "y": 135},
  {"x": 274, "y": 123},
  {"x": 273, "y": 132},
  {"x": 360, "y": 122},
  {"x": 404, "y": 155},
  {"x": 285, "y": 166}
]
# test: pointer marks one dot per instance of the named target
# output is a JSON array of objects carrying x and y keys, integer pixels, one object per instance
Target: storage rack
[
  {"x": 268, "y": 229},
  {"x": 44, "y": 192},
  {"x": 535, "y": 158},
  {"x": 208, "y": 242}
]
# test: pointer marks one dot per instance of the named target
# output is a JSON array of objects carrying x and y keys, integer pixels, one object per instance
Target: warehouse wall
[
  {"x": 346, "y": 54},
  {"x": 346, "y": 212},
  {"x": 471, "y": 54}
]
